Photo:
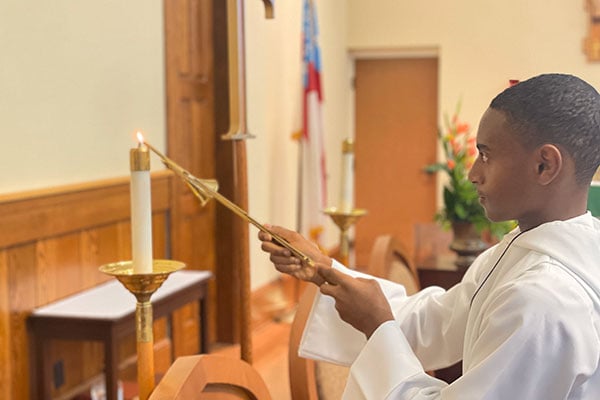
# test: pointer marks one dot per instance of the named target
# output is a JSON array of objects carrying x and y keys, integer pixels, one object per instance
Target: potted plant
[{"x": 461, "y": 210}]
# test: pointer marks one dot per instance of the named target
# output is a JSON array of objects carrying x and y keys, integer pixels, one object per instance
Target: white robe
[{"x": 531, "y": 332}]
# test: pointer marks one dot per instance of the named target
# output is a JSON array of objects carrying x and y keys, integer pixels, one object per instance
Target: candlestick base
[
  {"x": 143, "y": 286},
  {"x": 344, "y": 220}
]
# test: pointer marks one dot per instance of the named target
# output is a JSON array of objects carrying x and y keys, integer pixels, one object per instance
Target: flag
[{"x": 313, "y": 194}]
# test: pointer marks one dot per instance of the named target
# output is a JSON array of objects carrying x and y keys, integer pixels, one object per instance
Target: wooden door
[{"x": 396, "y": 132}]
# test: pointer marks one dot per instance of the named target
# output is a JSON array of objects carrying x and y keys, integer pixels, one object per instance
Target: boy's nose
[{"x": 473, "y": 175}]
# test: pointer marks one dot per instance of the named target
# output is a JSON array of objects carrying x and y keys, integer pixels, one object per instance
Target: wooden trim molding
[{"x": 41, "y": 214}]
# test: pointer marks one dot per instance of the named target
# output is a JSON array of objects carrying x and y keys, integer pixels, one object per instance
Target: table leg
[
  {"x": 111, "y": 368},
  {"x": 41, "y": 378},
  {"x": 203, "y": 327}
]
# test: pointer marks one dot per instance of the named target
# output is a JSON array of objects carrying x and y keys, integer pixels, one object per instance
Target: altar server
[{"x": 525, "y": 319}]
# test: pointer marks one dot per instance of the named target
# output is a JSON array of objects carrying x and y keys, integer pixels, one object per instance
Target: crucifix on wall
[{"x": 591, "y": 44}]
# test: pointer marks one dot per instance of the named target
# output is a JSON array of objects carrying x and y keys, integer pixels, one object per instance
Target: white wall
[{"x": 77, "y": 79}]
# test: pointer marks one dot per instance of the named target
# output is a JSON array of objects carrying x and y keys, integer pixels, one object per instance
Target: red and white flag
[{"x": 313, "y": 195}]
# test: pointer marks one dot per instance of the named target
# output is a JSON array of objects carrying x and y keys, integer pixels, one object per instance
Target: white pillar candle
[
  {"x": 347, "y": 192},
  {"x": 141, "y": 210}
]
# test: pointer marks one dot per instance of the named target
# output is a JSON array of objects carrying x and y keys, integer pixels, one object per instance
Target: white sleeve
[
  {"x": 432, "y": 321},
  {"x": 328, "y": 338},
  {"x": 387, "y": 368},
  {"x": 532, "y": 344}
]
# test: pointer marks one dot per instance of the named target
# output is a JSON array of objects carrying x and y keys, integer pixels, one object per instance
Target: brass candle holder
[
  {"x": 344, "y": 220},
  {"x": 143, "y": 286}
]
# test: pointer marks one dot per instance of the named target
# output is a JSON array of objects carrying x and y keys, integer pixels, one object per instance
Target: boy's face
[{"x": 504, "y": 172}]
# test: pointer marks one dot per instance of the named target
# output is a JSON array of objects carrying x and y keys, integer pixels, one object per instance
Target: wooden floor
[{"x": 270, "y": 357}]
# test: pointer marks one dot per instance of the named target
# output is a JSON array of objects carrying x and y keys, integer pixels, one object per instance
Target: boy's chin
[{"x": 495, "y": 217}]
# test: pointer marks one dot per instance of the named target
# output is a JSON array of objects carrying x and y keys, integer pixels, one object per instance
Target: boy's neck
[{"x": 557, "y": 209}]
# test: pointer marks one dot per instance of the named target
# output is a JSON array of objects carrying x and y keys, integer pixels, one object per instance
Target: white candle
[
  {"x": 141, "y": 209},
  {"x": 347, "y": 192}
]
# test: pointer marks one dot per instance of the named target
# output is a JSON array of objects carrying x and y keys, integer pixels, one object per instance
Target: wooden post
[{"x": 238, "y": 133}]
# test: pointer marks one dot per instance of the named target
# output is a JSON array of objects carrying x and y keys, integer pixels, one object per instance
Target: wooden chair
[
  {"x": 210, "y": 377},
  {"x": 311, "y": 380},
  {"x": 389, "y": 260}
]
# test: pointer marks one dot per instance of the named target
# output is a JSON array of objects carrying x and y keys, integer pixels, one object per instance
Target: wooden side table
[
  {"x": 439, "y": 270},
  {"x": 106, "y": 313}
]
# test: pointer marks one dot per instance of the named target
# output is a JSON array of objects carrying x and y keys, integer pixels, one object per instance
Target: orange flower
[
  {"x": 456, "y": 146},
  {"x": 462, "y": 128},
  {"x": 451, "y": 164}
]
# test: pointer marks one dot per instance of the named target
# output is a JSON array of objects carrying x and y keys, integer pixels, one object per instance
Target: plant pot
[{"x": 466, "y": 243}]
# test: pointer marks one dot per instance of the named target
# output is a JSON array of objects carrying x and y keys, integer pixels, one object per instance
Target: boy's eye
[{"x": 483, "y": 156}]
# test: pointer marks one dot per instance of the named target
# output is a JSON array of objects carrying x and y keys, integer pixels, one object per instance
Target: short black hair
[{"x": 559, "y": 109}]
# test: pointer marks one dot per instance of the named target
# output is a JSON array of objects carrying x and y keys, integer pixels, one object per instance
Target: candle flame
[{"x": 140, "y": 137}]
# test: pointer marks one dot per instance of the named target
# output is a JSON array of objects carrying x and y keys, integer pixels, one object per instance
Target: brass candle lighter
[{"x": 205, "y": 189}]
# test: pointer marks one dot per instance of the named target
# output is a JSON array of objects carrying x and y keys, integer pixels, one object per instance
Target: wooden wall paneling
[
  {"x": 58, "y": 272},
  {"x": 190, "y": 133},
  {"x": 5, "y": 342},
  {"x": 186, "y": 330},
  {"x": 48, "y": 213},
  {"x": 162, "y": 346},
  {"x": 62, "y": 236},
  {"x": 22, "y": 283},
  {"x": 99, "y": 246},
  {"x": 58, "y": 275},
  {"x": 127, "y": 358},
  {"x": 163, "y": 352},
  {"x": 124, "y": 234},
  {"x": 159, "y": 235}
]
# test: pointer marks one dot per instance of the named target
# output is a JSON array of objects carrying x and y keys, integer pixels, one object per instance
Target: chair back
[
  {"x": 309, "y": 379},
  {"x": 210, "y": 377},
  {"x": 389, "y": 260}
]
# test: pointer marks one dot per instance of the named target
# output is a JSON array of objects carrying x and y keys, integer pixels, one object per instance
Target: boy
[{"x": 525, "y": 319}]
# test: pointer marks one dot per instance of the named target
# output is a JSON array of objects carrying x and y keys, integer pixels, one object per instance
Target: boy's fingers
[
  {"x": 330, "y": 275},
  {"x": 328, "y": 289},
  {"x": 264, "y": 236}
]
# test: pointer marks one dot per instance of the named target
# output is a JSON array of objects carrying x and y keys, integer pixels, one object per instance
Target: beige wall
[
  {"x": 481, "y": 44},
  {"x": 77, "y": 78},
  {"x": 274, "y": 92}
]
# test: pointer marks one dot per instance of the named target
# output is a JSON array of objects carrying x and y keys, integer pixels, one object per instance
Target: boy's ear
[{"x": 549, "y": 163}]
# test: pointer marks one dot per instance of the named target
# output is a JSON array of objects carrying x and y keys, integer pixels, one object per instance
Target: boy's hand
[
  {"x": 285, "y": 262},
  {"x": 360, "y": 302}
]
